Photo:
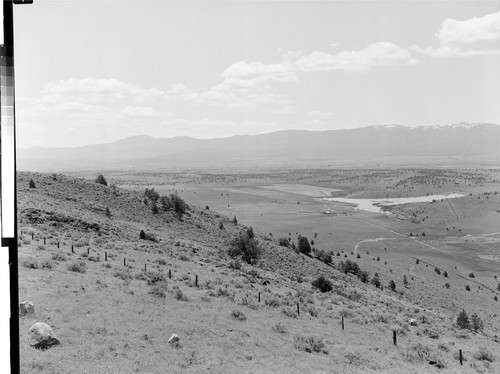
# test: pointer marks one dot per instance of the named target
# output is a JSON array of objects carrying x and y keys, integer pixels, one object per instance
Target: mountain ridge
[{"x": 383, "y": 141}]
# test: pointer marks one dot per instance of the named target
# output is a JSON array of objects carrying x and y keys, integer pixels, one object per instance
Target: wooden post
[
  {"x": 105, "y": 256},
  {"x": 460, "y": 356},
  {"x": 342, "y": 323},
  {"x": 32, "y": 236},
  {"x": 169, "y": 274},
  {"x": 88, "y": 251},
  {"x": 44, "y": 240},
  {"x": 394, "y": 337},
  {"x": 298, "y": 311},
  {"x": 57, "y": 244},
  {"x": 259, "y": 297},
  {"x": 72, "y": 249},
  {"x": 196, "y": 280},
  {"x": 124, "y": 262},
  {"x": 145, "y": 268}
]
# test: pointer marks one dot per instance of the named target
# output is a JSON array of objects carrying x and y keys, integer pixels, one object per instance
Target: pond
[{"x": 374, "y": 205}]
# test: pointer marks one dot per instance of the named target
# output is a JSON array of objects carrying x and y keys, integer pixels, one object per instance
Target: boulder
[
  {"x": 412, "y": 322},
  {"x": 26, "y": 307},
  {"x": 41, "y": 336},
  {"x": 174, "y": 341}
]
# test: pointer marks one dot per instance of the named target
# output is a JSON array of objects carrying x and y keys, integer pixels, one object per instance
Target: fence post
[
  {"x": 145, "y": 268},
  {"x": 259, "y": 297},
  {"x": 124, "y": 263},
  {"x": 72, "y": 249},
  {"x": 342, "y": 323},
  {"x": 88, "y": 251},
  {"x": 394, "y": 337},
  {"x": 169, "y": 274},
  {"x": 105, "y": 256},
  {"x": 460, "y": 356},
  {"x": 57, "y": 244},
  {"x": 196, "y": 281},
  {"x": 32, "y": 236},
  {"x": 44, "y": 240},
  {"x": 298, "y": 311}
]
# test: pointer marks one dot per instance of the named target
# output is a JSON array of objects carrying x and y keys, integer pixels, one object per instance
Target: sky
[{"x": 96, "y": 71}]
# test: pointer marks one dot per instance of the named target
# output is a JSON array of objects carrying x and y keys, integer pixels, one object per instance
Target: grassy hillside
[{"x": 116, "y": 315}]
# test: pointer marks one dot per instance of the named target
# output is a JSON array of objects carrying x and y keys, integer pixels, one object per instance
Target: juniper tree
[
  {"x": 101, "y": 180},
  {"x": 463, "y": 320},
  {"x": 32, "y": 183}
]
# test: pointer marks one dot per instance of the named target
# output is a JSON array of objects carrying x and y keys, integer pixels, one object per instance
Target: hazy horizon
[{"x": 95, "y": 72}]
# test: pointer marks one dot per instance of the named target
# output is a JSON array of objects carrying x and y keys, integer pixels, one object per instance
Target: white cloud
[
  {"x": 143, "y": 112},
  {"x": 486, "y": 28},
  {"x": 252, "y": 84},
  {"x": 381, "y": 54},
  {"x": 91, "y": 90},
  {"x": 455, "y": 35}
]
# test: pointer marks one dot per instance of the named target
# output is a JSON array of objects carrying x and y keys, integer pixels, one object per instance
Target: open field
[{"x": 112, "y": 318}]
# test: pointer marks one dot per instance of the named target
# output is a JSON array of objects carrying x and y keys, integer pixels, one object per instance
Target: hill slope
[{"x": 117, "y": 317}]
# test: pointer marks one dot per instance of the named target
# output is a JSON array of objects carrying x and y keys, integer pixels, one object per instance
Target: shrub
[
  {"x": 438, "y": 272},
  {"x": 179, "y": 295},
  {"x": 417, "y": 261},
  {"x": 101, "y": 180},
  {"x": 30, "y": 263},
  {"x": 447, "y": 285},
  {"x": 289, "y": 312},
  {"x": 463, "y": 320},
  {"x": 78, "y": 267},
  {"x": 123, "y": 274},
  {"x": 158, "y": 289},
  {"x": 248, "y": 248},
  {"x": 148, "y": 236},
  {"x": 47, "y": 264},
  {"x": 445, "y": 274},
  {"x": 59, "y": 257},
  {"x": 284, "y": 242},
  {"x": 471, "y": 275},
  {"x": 467, "y": 288},
  {"x": 323, "y": 284},
  {"x": 376, "y": 280},
  {"x": 363, "y": 276},
  {"x": 40, "y": 247},
  {"x": 273, "y": 302},
  {"x": 349, "y": 267},
  {"x": 392, "y": 285},
  {"x": 484, "y": 355},
  {"x": 236, "y": 264},
  {"x": 309, "y": 344},
  {"x": 238, "y": 315},
  {"x": 476, "y": 323},
  {"x": 279, "y": 327},
  {"x": 32, "y": 183}
]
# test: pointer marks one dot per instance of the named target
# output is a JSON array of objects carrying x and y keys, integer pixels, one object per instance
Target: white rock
[{"x": 26, "y": 307}]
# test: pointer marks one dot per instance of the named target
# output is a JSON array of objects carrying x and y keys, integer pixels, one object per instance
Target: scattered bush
[
  {"x": 238, "y": 315},
  {"x": 349, "y": 267},
  {"x": 101, "y": 180},
  {"x": 59, "y": 257},
  {"x": 363, "y": 276},
  {"x": 236, "y": 264},
  {"x": 323, "y": 284},
  {"x": 476, "y": 323},
  {"x": 289, "y": 312},
  {"x": 30, "y": 263},
  {"x": 158, "y": 289},
  {"x": 148, "y": 236},
  {"x": 484, "y": 355},
  {"x": 392, "y": 285},
  {"x": 467, "y": 288},
  {"x": 471, "y": 275},
  {"x": 47, "y": 264},
  {"x": 376, "y": 281},
  {"x": 123, "y": 274},
  {"x": 78, "y": 267},
  {"x": 279, "y": 327},
  {"x": 32, "y": 184},
  {"x": 179, "y": 295},
  {"x": 309, "y": 344},
  {"x": 284, "y": 242},
  {"x": 246, "y": 247}
]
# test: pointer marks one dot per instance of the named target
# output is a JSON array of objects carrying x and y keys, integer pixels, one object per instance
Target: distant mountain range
[{"x": 383, "y": 144}]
